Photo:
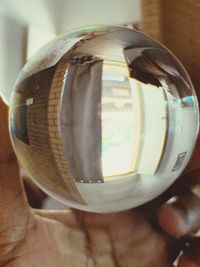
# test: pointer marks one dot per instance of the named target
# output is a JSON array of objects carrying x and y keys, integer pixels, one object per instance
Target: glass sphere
[{"x": 104, "y": 118}]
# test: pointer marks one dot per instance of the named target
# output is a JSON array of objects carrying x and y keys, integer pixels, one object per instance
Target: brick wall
[
  {"x": 54, "y": 102},
  {"x": 43, "y": 156}
]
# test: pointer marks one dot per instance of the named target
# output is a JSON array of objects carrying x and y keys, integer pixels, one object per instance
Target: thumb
[
  {"x": 6, "y": 150},
  {"x": 15, "y": 214}
]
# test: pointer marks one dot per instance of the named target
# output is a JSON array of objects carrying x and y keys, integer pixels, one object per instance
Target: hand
[{"x": 74, "y": 238}]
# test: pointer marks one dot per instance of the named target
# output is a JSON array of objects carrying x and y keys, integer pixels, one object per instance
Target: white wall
[
  {"x": 12, "y": 52},
  {"x": 75, "y": 13}
]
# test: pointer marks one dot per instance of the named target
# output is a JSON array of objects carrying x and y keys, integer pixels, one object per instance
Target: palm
[{"x": 74, "y": 239}]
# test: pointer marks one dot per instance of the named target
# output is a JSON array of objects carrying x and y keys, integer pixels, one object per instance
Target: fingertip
[
  {"x": 3, "y": 101},
  {"x": 172, "y": 221},
  {"x": 184, "y": 261}
]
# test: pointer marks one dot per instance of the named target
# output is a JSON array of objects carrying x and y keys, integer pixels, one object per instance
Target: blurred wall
[
  {"x": 12, "y": 52},
  {"x": 177, "y": 25},
  {"x": 26, "y": 25}
]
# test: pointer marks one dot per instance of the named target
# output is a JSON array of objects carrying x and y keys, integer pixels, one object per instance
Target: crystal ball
[{"x": 103, "y": 118}]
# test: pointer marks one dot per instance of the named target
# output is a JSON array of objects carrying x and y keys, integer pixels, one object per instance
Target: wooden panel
[{"x": 176, "y": 24}]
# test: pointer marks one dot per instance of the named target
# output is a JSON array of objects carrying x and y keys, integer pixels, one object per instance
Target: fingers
[
  {"x": 11, "y": 190},
  {"x": 193, "y": 251},
  {"x": 191, "y": 255},
  {"x": 184, "y": 261},
  {"x": 181, "y": 215},
  {"x": 6, "y": 150},
  {"x": 15, "y": 215}
]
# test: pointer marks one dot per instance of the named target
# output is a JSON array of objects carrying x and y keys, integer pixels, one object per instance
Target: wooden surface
[{"x": 177, "y": 25}]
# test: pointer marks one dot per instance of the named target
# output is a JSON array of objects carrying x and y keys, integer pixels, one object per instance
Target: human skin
[{"x": 75, "y": 238}]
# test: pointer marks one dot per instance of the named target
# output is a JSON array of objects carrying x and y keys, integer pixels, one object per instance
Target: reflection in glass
[
  {"x": 104, "y": 118},
  {"x": 117, "y": 121}
]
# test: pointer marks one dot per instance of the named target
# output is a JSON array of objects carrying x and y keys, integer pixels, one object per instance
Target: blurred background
[{"x": 25, "y": 26}]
